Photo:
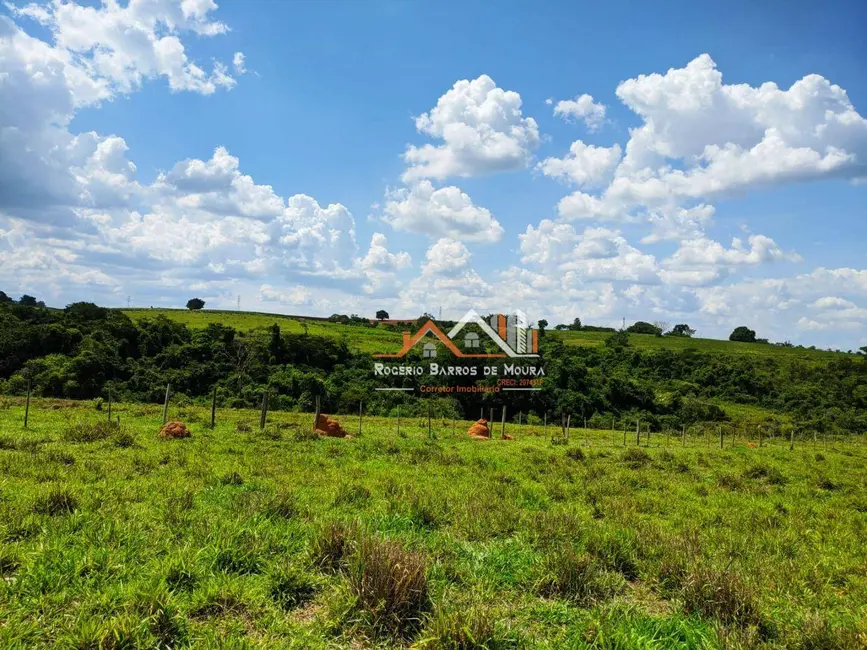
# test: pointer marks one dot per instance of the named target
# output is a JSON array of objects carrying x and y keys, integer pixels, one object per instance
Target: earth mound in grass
[
  {"x": 175, "y": 430},
  {"x": 329, "y": 427},
  {"x": 479, "y": 430}
]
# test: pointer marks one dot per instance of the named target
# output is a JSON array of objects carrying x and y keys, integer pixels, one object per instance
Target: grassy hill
[{"x": 381, "y": 339}]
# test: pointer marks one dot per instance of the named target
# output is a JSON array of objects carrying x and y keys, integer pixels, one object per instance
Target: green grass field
[
  {"x": 241, "y": 538},
  {"x": 375, "y": 339}
]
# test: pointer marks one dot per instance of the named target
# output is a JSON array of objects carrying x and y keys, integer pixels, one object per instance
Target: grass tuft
[
  {"x": 331, "y": 546},
  {"x": 57, "y": 502},
  {"x": 91, "y": 431},
  {"x": 290, "y": 587},
  {"x": 579, "y": 577},
  {"x": 635, "y": 458},
  {"x": 475, "y": 628},
  {"x": 390, "y": 587}
]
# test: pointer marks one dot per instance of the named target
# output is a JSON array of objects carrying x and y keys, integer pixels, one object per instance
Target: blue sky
[{"x": 127, "y": 197}]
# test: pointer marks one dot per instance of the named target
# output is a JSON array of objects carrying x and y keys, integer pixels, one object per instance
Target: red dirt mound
[
  {"x": 325, "y": 426},
  {"x": 175, "y": 430},
  {"x": 479, "y": 430}
]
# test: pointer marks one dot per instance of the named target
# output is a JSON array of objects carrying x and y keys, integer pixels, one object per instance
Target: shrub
[
  {"x": 390, "y": 586},
  {"x": 97, "y": 403},
  {"x": 575, "y": 453},
  {"x": 579, "y": 577},
  {"x": 243, "y": 427},
  {"x": 56, "y": 502},
  {"x": 825, "y": 483}
]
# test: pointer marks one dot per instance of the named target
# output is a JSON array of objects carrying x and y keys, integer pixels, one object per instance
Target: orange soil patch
[
  {"x": 326, "y": 426},
  {"x": 175, "y": 430},
  {"x": 479, "y": 430}
]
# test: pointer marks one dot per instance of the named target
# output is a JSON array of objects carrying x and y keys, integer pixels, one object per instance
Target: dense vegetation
[
  {"x": 84, "y": 351},
  {"x": 239, "y": 538}
]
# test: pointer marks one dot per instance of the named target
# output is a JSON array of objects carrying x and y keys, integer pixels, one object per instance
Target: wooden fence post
[
  {"x": 264, "y": 413},
  {"x": 760, "y": 436},
  {"x": 683, "y": 436},
  {"x": 719, "y": 428},
  {"x": 568, "y": 426},
  {"x": 27, "y": 405},
  {"x": 453, "y": 426},
  {"x": 317, "y": 413},
  {"x": 491, "y": 420},
  {"x": 792, "y": 440},
  {"x": 503, "y": 425},
  {"x": 214, "y": 407},
  {"x": 166, "y": 404}
]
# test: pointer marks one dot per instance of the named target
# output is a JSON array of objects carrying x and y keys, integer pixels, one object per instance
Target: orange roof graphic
[{"x": 431, "y": 327}]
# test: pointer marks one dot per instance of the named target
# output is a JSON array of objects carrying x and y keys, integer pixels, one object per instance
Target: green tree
[
  {"x": 576, "y": 324},
  {"x": 382, "y": 315},
  {"x": 195, "y": 303},
  {"x": 4, "y": 298},
  {"x": 27, "y": 301},
  {"x": 643, "y": 328},
  {"x": 542, "y": 325},
  {"x": 682, "y": 330},
  {"x": 743, "y": 334},
  {"x": 86, "y": 311}
]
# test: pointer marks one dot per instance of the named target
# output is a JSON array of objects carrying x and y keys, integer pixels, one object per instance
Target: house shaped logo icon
[{"x": 511, "y": 334}]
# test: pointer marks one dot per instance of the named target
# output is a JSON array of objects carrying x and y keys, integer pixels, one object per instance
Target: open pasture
[{"x": 247, "y": 538}]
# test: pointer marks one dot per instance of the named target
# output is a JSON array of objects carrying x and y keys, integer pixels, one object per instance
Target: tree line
[{"x": 83, "y": 350}]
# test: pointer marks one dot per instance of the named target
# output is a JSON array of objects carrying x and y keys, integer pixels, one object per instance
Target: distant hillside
[{"x": 377, "y": 339}]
